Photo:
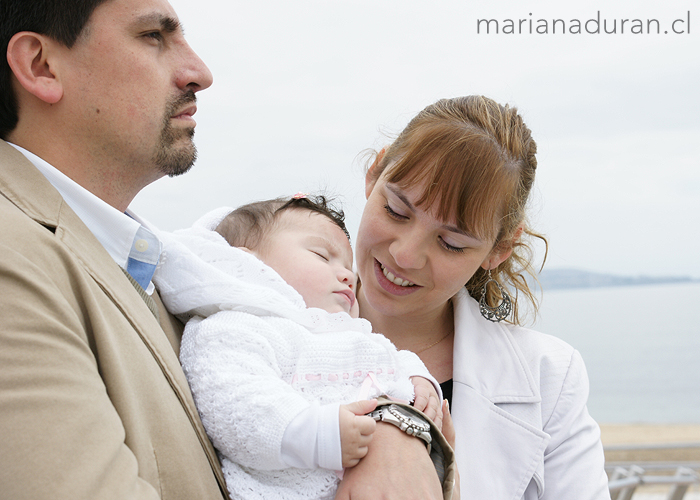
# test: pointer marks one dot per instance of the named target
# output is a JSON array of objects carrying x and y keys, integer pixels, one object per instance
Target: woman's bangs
[{"x": 462, "y": 178}]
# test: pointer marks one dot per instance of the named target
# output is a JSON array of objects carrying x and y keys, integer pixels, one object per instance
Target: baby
[{"x": 274, "y": 350}]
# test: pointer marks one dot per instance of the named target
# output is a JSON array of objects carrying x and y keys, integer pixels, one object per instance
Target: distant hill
[{"x": 576, "y": 278}]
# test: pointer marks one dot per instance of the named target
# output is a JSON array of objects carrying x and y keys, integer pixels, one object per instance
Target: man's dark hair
[
  {"x": 248, "y": 225},
  {"x": 62, "y": 20}
]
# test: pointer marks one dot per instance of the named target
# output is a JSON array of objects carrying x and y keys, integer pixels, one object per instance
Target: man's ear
[
  {"x": 372, "y": 174},
  {"x": 28, "y": 55}
]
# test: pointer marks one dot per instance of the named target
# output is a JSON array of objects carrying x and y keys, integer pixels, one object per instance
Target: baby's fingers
[
  {"x": 438, "y": 420},
  {"x": 366, "y": 427},
  {"x": 421, "y": 399},
  {"x": 361, "y": 407},
  {"x": 357, "y": 445},
  {"x": 433, "y": 410}
]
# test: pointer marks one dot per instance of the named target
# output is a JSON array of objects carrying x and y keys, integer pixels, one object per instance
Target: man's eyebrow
[
  {"x": 449, "y": 227},
  {"x": 167, "y": 24}
]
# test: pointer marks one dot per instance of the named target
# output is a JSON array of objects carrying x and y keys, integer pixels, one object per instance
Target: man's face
[{"x": 132, "y": 81}]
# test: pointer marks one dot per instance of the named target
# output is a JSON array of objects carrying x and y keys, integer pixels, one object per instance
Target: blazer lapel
[
  {"x": 45, "y": 205},
  {"x": 500, "y": 444}
]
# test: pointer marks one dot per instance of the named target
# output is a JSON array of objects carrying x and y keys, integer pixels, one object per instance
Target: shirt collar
[{"x": 121, "y": 234}]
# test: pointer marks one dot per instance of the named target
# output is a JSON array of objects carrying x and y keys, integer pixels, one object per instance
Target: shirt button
[{"x": 141, "y": 245}]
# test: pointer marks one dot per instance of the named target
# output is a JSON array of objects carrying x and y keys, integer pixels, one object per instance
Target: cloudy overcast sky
[{"x": 303, "y": 87}]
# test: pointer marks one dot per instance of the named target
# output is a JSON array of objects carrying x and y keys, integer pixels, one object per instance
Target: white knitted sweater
[{"x": 255, "y": 357}]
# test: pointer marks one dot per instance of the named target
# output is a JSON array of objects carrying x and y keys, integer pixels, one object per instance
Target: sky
[{"x": 303, "y": 88}]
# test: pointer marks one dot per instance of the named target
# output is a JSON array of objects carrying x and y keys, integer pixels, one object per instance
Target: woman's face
[{"x": 409, "y": 261}]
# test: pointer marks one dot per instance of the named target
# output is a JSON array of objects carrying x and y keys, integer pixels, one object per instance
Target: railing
[
  {"x": 625, "y": 481},
  {"x": 626, "y": 478}
]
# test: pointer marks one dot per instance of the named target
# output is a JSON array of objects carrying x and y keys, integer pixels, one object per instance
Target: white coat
[{"x": 519, "y": 407}]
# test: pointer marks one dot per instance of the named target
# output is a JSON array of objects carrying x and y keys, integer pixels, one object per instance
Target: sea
[{"x": 641, "y": 346}]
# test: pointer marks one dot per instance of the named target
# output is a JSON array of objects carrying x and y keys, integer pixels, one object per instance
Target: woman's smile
[{"x": 391, "y": 283}]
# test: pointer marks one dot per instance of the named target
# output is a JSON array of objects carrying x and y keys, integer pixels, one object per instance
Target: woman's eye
[
  {"x": 393, "y": 214},
  {"x": 451, "y": 248}
]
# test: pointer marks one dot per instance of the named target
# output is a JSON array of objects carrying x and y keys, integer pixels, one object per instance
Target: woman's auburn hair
[{"x": 477, "y": 161}]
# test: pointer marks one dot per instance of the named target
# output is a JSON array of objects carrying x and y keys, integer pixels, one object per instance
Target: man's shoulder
[
  {"x": 23, "y": 233},
  {"x": 19, "y": 224},
  {"x": 36, "y": 222},
  {"x": 26, "y": 196}
]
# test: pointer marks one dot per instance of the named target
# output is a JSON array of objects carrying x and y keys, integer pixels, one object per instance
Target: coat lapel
[
  {"x": 500, "y": 444},
  {"x": 18, "y": 177}
]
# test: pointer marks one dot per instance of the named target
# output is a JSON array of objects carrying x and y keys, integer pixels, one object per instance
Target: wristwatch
[{"x": 403, "y": 418}]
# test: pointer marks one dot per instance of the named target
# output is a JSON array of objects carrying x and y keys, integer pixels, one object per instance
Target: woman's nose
[{"x": 408, "y": 251}]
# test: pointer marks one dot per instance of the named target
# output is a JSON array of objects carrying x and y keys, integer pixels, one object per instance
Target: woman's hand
[
  {"x": 397, "y": 467},
  {"x": 448, "y": 430}
]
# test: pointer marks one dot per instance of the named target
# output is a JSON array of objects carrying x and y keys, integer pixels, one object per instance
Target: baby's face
[{"x": 313, "y": 255}]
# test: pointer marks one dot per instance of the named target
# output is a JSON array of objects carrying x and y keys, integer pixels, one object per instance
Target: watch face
[
  {"x": 404, "y": 419},
  {"x": 418, "y": 424}
]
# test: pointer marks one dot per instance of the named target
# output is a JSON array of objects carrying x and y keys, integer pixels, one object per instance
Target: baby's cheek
[{"x": 355, "y": 310}]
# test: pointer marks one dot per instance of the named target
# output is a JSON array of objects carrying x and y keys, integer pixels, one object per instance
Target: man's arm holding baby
[
  {"x": 396, "y": 467},
  {"x": 382, "y": 472}
]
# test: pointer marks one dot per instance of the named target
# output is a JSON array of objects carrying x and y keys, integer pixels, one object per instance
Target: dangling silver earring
[{"x": 502, "y": 310}]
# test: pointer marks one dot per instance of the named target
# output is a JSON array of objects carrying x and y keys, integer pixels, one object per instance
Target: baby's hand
[
  {"x": 426, "y": 400},
  {"x": 356, "y": 430}
]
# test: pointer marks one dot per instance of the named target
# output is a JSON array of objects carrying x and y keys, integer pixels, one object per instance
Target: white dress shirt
[{"x": 129, "y": 240}]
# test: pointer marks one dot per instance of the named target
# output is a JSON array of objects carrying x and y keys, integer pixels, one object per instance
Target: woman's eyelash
[
  {"x": 397, "y": 216},
  {"x": 451, "y": 248},
  {"x": 393, "y": 214}
]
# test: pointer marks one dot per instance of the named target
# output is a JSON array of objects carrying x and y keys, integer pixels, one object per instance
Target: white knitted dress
[{"x": 255, "y": 357}]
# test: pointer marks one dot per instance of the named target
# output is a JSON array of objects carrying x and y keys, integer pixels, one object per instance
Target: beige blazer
[{"x": 93, "y": 402}]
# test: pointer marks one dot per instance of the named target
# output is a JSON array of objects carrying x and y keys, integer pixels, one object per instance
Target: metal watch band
[{"x": 411, "y": 423}]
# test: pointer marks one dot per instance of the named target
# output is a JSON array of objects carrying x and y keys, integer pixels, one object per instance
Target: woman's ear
[
  {"x": 28, "y": 57},
  {"x": 502, "y": 251},
  {"x": 372, "y": 173},
  {"x": 496, "y": 258}
]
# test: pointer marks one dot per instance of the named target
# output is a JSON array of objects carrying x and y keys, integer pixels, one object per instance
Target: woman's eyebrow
[
  {"x": 454, "y": 229},
  {"x": 449, "y": 227},
  {"x": 399, "y": 194}
]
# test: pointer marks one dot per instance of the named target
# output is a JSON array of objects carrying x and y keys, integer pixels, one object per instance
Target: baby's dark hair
[{"x": 248, "y": 225}]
